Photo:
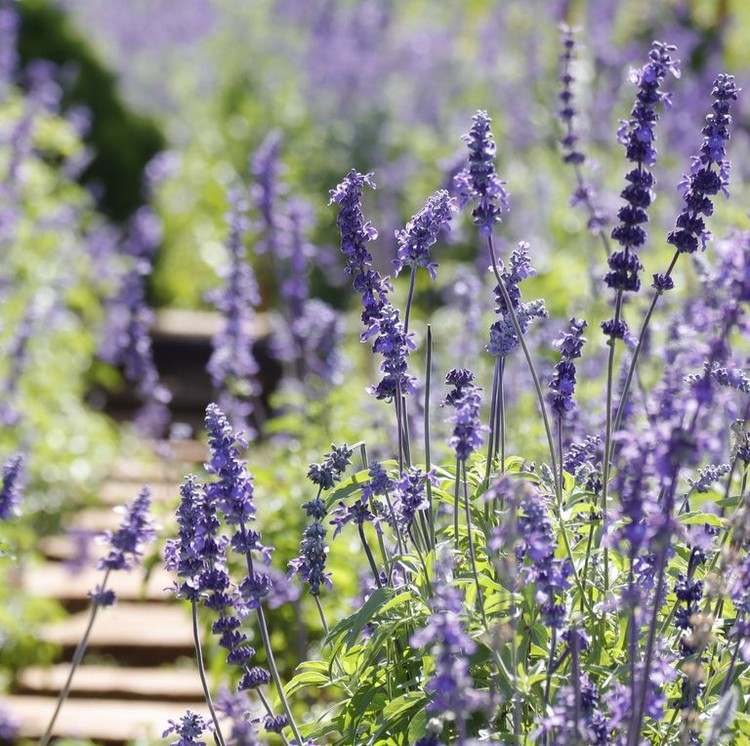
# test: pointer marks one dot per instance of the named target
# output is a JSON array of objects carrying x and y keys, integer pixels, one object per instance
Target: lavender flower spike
[
  {"x": 232, "y": 366},
  {"x": 479, "y": 182},
  {"x": 637, "y": 135},
  {"x": 136, "y": 530},
  {"x": 422, "y": 231},
  {"x": 356, "y": 232},
  {"x": 10, "y": 493},
  {"x": 703, "y": 182},
  {"x": 564, "y": 382},
  {"x": 188, "y": 730}
]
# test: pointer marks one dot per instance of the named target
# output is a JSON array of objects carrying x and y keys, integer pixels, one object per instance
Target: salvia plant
[{"x": 598, "y": 596}]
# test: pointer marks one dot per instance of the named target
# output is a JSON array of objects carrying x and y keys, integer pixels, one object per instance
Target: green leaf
[
  {"x": 711, "y": 519},
  {"x": 310, "y": 673},
  {"x": 353, "y": 625}
]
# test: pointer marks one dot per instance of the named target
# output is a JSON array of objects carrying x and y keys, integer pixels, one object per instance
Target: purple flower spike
[
  {"x": 564, "y": 382},
  {"x": 703, "y": 183},
  {"x": 356, "y": 232},
  {"x": 466, "y": 400},
  {"x": 638, "y": 136},
  {"x": 127, "y": 542},
  {"x": 232, "y": 367},
  {"x": 422, "y": 231},
  {"x": 10, "y": 493},
  {"x": 479, "y": 182},
  {"x": 188, "y": 729}
]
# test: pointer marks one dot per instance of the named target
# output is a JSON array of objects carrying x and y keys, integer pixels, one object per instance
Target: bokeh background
[{"x": 126, "y": 125}]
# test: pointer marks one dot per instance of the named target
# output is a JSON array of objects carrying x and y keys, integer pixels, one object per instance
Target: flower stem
[
  {"x": 202, "y": 673},
  {"x": 77, "y": 658},
  {"x": 409, "y": 298},
  {"x": 455, "y": 502},
  {"x": 427, "y": 455},
  {"x": 608, "y": 435},
  {"x": 370, "y": 558},
  {"x": 265, "y": 637},
  {"x": 472, "y": 554},
  {"x": 493, "y": 415},
  {"x": 321, "y": 614}
]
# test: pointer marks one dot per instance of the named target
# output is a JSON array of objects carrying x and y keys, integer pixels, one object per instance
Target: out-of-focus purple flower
[
  {"x": 188, "y": 729},
  {"x": 703, "y": 182},
  {"x": 265, "y": 166},
  {"x": 9, "y": 726},
  {"x": 479, "y": 182},
  {"x": 126, "y": 337},
  {"x": 275, "y": 723},
  {"x": 572, "y": 154},
  {"x": 537, "y": 547},
  {"x": 319, "y": 331},
  {"x": 8, "y": 45},
  {"x": 18, "y": 356},
  {"x": 451, "y": 689},
  {"x": 563, "y": 383},
  {"x": 422, "y": 232},
  {"x": 638, "y": 136},
  {"x": 707, "y": 475},
  {"x": 236, "y": 709},
  {"x": 232, "y": 367},
  {"x": 126, "y": 544},
  {"x": 733, "y": 378},
  {"x": 10, "y": 492},
  {"x": 102, "y": 597},
  {"x": 356, "y": 232}
]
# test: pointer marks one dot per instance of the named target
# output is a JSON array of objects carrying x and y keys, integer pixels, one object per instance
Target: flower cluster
[
  {"x": 503, "y": 337},
  {"x": 410, "y": 495},
  {"x": 638, "y": 136},
  {"x": 703, "y": 182},
  {"x": 188, "y": 730},
  {"x": 10, "y": 492},
  {"x": 422, "y": 231},
  {"x": 126, "y": 544},
  {"x": 311, "y": 561},
  {"x": 394, "y": 344},
  {"x": 466, "y": 400},
  {"x": 479, "y": 182},
  {"x": 537, "y": 547},
  {"x": 356, "y": 232},
  {"x": 232, "y": 367},
  {"x": 572, "y": 153},
  {"x": 564, "y": 382}
]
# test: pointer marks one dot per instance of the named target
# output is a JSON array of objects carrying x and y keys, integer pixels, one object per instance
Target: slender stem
[
  {"x": 526, "y": 353},
  {"x": 321, "y": 614},
  {"x": 550, "y": 663},
  {"x": 455, "y": 502},
  {"x": 472, "y": 554},
  {"x": 493, "y": 414},
  {"x": 409, "y": 298},
  {"x": 575, "y": 673},
  {"x": 608, "y": 435},
  {"x": 400, "y": 436},
  {"x": 427, "y": 455},
  {"x": 560, "y": 451},
  {"x": 266, "y": 638},
  {"x": 202, "y": 673},
  {"x": 500, "y": 435},
  {"x": 730, "y": 672},
  {"x": 396, "y": 528},
  {"x": 370, "y": 558},
  {"x": 77, "y": 658},
  {"x": 639, "y": 346}
]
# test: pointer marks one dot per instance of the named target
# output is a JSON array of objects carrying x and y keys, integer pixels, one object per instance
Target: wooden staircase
[{"x": 139, "y": 668}]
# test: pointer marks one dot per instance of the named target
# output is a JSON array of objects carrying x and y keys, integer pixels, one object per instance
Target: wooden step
[
  {"x": 101, "y": 720},
  {"x": 136, "y": 634},
  {"x": 115, "y": 682},
  {"x": 55, "y": 580},
  {"x": 116, "y": 492}
]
